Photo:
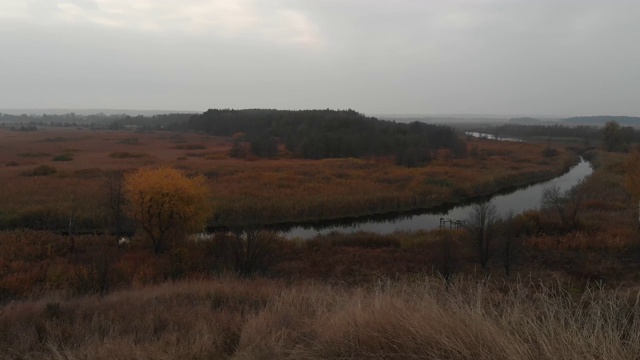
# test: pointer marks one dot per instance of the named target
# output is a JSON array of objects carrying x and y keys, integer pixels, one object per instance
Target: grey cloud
[{"x": 494, "y": 57}]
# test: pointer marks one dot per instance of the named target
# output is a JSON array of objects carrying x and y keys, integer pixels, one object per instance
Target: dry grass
[{"x": 265, "y": 319}]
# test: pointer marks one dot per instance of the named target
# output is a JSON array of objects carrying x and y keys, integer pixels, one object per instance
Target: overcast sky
[{"x": 535, "y": 57}]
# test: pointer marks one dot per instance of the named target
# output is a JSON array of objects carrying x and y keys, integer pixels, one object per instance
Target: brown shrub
[
  {"x": 42, "y": 170},
  {"x": 190, "y": 147},
  {"x": 126, "y": 155}
]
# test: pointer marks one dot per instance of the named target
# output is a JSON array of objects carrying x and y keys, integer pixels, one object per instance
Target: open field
[{"x": 50, "y": 174}]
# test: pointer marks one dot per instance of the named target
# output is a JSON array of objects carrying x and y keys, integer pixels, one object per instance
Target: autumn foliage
[{"x": 166, "y": 203}]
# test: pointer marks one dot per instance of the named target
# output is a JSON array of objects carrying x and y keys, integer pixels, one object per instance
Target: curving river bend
[{"x": 517, "y": 201}]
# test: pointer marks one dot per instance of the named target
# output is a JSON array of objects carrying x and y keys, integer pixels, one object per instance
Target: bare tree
[
  {"x": 510, "y": 243},
  {"x": 251, "y": 250},
  {"x": 481, "y": 227},
  {"x": 115, "y": 199},
  {"x": 447, "y": 262},
  {"x": 72, "y": 228},
  {"x": 567, "y": 204},
  {"x": 92, "y": 269}
]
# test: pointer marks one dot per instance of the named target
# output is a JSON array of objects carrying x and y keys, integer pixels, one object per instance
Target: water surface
[{"x": 517, "y": 201}]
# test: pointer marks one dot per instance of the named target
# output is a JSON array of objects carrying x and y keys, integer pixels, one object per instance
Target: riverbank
[
  {"x": 511, "y": 200},
  {"x": 300, "y": 192}
]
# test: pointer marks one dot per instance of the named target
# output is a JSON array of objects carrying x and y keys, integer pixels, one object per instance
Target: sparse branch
[
  {"x": 481, "y": 225},
  {"x": 567, "y": 204}
]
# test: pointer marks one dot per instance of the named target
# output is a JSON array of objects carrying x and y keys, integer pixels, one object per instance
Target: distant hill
[
  {"x": 579, "y": 121},
  {"x": 40, "y": 112},
  {"x": 603, "y": 119},
  {"x": 527, "y": 121}
]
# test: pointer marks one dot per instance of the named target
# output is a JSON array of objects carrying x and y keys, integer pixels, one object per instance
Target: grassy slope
[{"x": 265, "y": 319}]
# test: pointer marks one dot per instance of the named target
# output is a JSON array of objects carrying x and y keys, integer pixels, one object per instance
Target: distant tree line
[
  {"x": 548, "y": 131},
  {"x": 15, "y": 118},
  {"x": 603, "y": 119},
  {"x": 96, "y": 121},
  {"x": 618, "y": 138},
  {"x": 318, "y": 134},
  {"x": 58, "y": 119},
  {"x": 154, "y": 122},
  {"x": 613, "y": 136}
]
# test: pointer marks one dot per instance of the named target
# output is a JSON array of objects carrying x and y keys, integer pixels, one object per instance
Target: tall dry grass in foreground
[{"x": 266, "y": 319}]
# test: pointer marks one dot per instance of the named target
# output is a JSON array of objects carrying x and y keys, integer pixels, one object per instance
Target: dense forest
[
  {"x": 318, "y": 134},
  {"x": 614, "y": 136}
]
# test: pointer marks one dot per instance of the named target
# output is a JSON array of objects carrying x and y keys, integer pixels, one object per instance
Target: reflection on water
[
  {"x": 517, "y": 201},
  {"x": 480, "y": 135}
]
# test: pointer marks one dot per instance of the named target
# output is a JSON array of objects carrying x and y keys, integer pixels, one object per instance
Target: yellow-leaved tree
[
  {"x": 167, "y": 204},
  {"x": 632, "y": 180}
]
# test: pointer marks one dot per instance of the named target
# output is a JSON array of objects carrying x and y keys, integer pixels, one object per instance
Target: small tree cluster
[
  {"x": 632, "y": 178},
  {"x": 567, "y": 204},
  {"x": 617, "y": 138},
  {"x": 492, "y": 235},
  {"x": 481, "y": 227},
  {"x": 249, "y": 251}
]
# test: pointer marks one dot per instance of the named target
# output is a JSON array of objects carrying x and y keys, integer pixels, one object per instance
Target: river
[
  {"x": 517, "y": 201},
  {"x": 487, "y": 136}
]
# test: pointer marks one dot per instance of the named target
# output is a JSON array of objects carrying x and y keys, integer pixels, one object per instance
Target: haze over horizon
[
  {"x": 115, "y": 111},
  {"x": 496, "y": 57}
]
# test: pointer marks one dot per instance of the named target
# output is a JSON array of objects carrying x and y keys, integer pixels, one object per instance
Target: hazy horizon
[
  {"x": 442, "y": 57},
  {"x": 90, "y": 111},
  {"x": 407, "y": 116}
]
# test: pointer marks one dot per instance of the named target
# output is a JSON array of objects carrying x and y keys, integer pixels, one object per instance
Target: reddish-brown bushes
[
  {"x": 126, "y": 155},
  {"x": 190, "y": 147},
  {"x": 42, "y": 170}
]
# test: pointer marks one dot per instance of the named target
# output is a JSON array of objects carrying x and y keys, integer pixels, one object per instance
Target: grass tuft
[{"x": 230, "y": 318}]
